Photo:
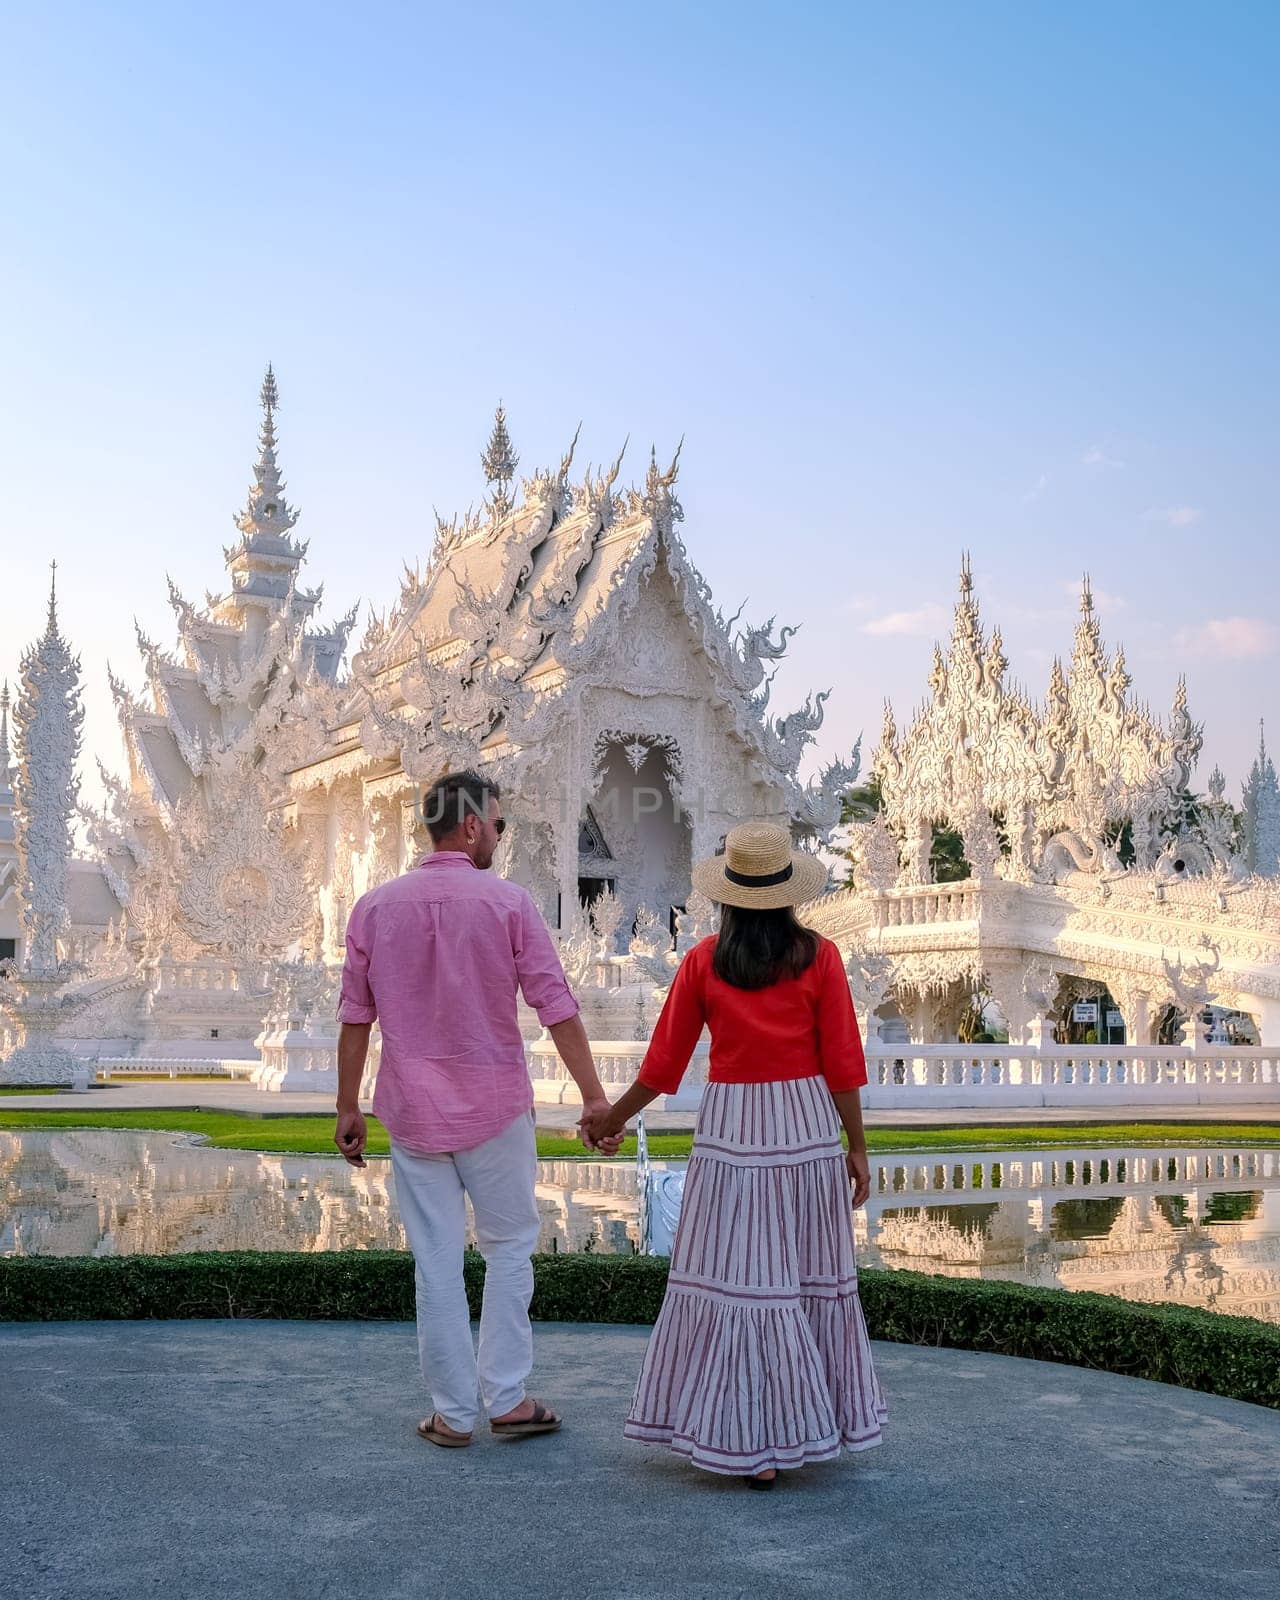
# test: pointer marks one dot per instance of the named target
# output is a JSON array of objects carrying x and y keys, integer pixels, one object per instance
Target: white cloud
[
  {"x": 1034, "y": 493},
  {"x": 1175, "y": 516},
  {"x": 927, "y": 622},
  {"x": 1229, "y": 639},
  {"x": 1095, "y": 456}
]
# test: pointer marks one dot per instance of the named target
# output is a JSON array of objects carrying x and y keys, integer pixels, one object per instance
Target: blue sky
[{"x": 910, "y": 279}]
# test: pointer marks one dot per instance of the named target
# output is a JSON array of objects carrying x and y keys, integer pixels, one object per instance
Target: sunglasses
[{"x": 500, "y": 826}]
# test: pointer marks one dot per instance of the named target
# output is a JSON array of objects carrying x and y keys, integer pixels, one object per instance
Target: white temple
[
  {"x": 561, "y": 638},
  {"x": 1099, "y": 891}
]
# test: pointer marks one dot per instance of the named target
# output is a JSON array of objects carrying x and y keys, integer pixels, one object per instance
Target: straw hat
[{"x": 759, "y": 869}]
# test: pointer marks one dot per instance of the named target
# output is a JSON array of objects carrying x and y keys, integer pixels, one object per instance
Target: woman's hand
[
  {"x": 596, "y": 1127},
  {"x": 860, "y": 1171}
]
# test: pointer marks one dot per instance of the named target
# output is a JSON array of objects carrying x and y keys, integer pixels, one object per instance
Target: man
[{"x": 435, "y": 956}]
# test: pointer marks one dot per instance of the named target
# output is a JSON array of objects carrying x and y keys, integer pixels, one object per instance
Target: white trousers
[{"x": 498, "y": 1178}]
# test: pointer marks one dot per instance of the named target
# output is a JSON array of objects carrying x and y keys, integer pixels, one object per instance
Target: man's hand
[
  {"x": 351, "y": 1135},
  {"x": 592, "y": 1126},
  {"x": 860, "y": 1171}
]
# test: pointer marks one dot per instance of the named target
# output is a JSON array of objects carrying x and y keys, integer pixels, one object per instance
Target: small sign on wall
[
  {"x": 1084, "y": 1011},
  {"x": 1115, "y": 1019}
]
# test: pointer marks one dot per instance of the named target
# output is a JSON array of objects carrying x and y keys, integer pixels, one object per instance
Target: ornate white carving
[
  {"x": 606, "y": 919},
  {"x": 1261, "y": 822},
  {"x": 875, "y": 854},
  {"x": 264, "y": 794},
  {"x": 241, "y": 886},
  {"x": 33, "y": 993},
  {"x": 1087, "y": 762}
]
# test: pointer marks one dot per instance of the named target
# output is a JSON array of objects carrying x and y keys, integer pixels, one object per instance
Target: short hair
[{"x": 449, "y": 799}]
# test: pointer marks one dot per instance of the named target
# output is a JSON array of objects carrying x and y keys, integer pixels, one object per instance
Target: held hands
[
  {"x": 351, "y": 1135},
  {"x": 860, "y": 1172},
  {"x": 596, "y": 1127}
]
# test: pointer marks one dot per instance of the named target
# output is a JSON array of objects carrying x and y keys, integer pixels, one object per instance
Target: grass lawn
[{"x": 314, "y": 1135}]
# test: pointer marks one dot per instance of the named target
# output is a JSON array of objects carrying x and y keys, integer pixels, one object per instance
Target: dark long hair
[{"x": 756, "y": 948}]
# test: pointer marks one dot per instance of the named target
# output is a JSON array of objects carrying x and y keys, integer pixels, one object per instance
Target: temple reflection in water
[{"x": 1194, "y": 1225}]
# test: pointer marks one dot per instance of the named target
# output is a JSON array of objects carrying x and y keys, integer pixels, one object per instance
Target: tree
[
  {"x": 946, "y": 856},
  {"x": 858, "y": 805}
]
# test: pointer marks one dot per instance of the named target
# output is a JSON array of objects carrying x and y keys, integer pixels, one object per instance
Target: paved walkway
[
  {"x": 222, "y": 1095},
  {"x": 208, "y": 1459}
]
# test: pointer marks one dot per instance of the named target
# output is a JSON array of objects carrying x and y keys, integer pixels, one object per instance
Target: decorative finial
[
  {"x": 53, "y": 600},
  {"x": 659, "y": 501},
  {"x": 268, "y": 512},
  {"x": 612, "y": 475},
  {"x": 1086, "y": 596},
  {"x": 966, "y": 574},
  {"x": 567, "y": 460},
  {"x": 499, "y": 461}
]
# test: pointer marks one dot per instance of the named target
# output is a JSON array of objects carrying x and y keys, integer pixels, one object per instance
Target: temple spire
[
  {"x": 47, "y": 721},
  {"x": 499, "y": 462},
  {"x": 966, "y": 631},
  {"x": 52, "y": 628},
  {"x": 1261, "y": 821},
  {"x": 6, "y": 757},
  {"x": 267, "y": 511}
]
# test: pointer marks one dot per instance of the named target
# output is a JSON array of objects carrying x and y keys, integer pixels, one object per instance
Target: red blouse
[{"x": 795, "y": 1028}]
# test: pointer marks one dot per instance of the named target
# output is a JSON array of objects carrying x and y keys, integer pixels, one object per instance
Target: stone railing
[
  {"x": 899, "y": 1076},
  {"x": 212, "y": 977},
  {"x": 171, "y": 1066},
  {"x": 585, "y": 1179},
  {"x": 959, "y": 1075},
  {"x": 956, "y": 1076},
  {"x": 920, "y": 904},
  {"x": 617, "y": 1062},
  {"x": 1073, "y": 1174}
]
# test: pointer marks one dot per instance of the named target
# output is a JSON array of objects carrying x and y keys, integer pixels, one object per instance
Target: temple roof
[{"x": 1088, "y": 760}]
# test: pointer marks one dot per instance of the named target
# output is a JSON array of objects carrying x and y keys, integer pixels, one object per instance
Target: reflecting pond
[{"x": 1195, "y": 1225}]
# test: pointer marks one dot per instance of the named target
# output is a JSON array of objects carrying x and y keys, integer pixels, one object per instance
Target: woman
[{"x": 759, "y": 1360}]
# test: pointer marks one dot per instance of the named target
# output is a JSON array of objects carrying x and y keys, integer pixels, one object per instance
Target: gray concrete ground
[
  {"x": 225, "y": 1095},
  {"x": 201, "y": 1460}
]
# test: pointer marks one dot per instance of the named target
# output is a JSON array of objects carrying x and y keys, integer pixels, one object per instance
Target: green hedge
[{"x": 1231, "y": 1356}]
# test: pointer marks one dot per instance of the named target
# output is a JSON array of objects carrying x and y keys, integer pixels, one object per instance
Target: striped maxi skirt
[{"x": 760, "y": 1357}]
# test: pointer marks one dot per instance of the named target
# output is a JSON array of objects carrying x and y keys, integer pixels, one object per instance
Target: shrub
[{"x": 1231, "y": 1356}]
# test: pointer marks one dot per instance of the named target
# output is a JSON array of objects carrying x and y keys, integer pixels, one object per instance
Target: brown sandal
[
  {"x": 427, "y": 1430},
  {"x": 542, "y": 1421}
]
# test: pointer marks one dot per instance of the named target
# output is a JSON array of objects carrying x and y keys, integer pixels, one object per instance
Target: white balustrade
[
  {"x": 900, "y": 1076},
  {"x": 957, "y": 1076},
  {"x": 954, "y": 1076},
  {"x": 1074, "y": 1174},
  {"x": 617, "y": 1062},
  {"x": 923, "y": 904},
  {"x": 106, "y": 1067}
]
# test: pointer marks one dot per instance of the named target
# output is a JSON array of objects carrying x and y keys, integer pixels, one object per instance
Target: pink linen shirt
[{"x": 435, "y": 956}]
